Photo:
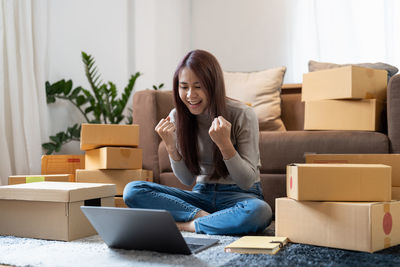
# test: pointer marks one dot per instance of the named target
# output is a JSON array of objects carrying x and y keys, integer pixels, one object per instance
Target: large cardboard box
[
  {"x": 23, "y": 179},
  {"x": 118, "y": 177},
  {"x": 361, "y": 226},
  {"x": 51, "y": 210},
  {"x": 61, "y": 164},
  {"x": 392, "y": 160},
  {"x": 119, "y": 202},
  {"x": 113, "y": 158},
  {"x": 362, "y": 115},
  {"x": 99, "y": 135},
  {"x": 350, "y": 82},
  {"x": 339, "y": 182}
]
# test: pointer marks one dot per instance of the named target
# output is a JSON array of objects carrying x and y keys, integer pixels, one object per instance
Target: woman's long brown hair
[{"x": 208, "y": 70}]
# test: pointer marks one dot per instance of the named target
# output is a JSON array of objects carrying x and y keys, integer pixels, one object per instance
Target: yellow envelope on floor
[{"x": 257, "y": 245}]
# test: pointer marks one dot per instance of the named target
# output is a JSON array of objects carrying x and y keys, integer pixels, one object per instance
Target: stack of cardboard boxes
[
  {"x": 345, "y": 206},
  {"x": 342, "y": 201},
  {"x": 112, "y": 156},
  {"x": 346, "y": 98}
]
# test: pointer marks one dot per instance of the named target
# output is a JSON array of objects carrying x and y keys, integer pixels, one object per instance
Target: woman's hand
[
  {"x": 220, "y": 133},
  {"x": 166, "y": 130}
]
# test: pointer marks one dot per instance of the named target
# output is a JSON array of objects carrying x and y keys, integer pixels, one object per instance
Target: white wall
[
  {"x": 97, "y": 27},
  {"x": 244, "y": 35}
]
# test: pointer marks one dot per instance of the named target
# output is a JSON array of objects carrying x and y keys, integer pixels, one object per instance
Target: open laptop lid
[{"x": 141, "y": 229}]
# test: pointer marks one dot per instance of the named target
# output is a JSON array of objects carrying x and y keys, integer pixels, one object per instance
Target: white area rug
[{"x": 92, "y": 251}]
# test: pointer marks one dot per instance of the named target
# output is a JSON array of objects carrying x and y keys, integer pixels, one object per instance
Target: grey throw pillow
[{"x": 316, "y": 66}]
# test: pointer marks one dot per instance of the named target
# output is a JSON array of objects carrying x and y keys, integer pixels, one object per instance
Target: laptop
[{"x": 142, "y": 229}]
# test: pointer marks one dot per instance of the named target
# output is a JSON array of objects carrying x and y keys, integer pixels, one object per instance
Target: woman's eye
[{"x": 184, "y": 87}]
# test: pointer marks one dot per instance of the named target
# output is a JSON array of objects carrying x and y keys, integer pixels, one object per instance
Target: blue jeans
[{"x": 232, "y": 210}]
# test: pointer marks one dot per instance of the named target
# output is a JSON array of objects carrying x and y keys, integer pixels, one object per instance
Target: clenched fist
[
  {"x": 220, "y": 133},
  {"x": 166, "y": 130}
]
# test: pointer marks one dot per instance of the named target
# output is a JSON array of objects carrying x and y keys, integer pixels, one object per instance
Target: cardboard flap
[{"x": 57, "y": 191}]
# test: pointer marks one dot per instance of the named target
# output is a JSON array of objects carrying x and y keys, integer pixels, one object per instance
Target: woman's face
[{"x": 192, "y": 92}]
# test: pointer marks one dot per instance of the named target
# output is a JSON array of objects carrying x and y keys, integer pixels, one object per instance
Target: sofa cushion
[
  {"x": 262, "y": 90},
  {"x": 316, "y": 66},
  {"x": 278, "y": 149}
]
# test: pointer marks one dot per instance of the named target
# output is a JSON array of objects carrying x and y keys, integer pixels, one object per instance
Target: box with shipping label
[
  {"x": 51, "y": 210},
  {"x": 99, "y": 135},
  {"x": 362, "y": 115},
  {"x": 350, "y": 82},
  {"x": 60, "y": 164},
  {"x": 339, "y": 182},
  {"x": 361, "y": 226},
  {"x": 118, "y": 177},
  {"x": 392, "y": 160},
  {"x": 119, "y": 202},
  {"x": 113, "y": 158},
  {"x": 23, "y": 179}
]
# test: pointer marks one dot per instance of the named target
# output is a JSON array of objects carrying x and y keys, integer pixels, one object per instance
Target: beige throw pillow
[{"x": 262, "y": 90}]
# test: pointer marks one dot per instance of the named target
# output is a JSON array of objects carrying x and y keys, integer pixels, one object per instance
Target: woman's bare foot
[{"x": 189, "y": 226}]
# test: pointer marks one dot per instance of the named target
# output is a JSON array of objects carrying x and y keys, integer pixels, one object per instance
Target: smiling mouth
[{"x": 194, "y": 103}]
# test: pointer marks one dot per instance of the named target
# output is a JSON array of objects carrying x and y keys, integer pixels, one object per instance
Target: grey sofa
[{"x": 277, "y": 149}]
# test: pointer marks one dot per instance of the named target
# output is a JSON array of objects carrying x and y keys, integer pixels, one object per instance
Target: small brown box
[
  {"x": 118, "y": 177},
  {"x": 119, "y": 202},
  {"x": 113, "y": 158},
  {"x": 339, "y": 182},
  {"x": 100, "y": 135},
  {"x": 361, "y": 115},
  {"x": 61, "y": 164},
  {"x": 23, "y": 179},
  {"x": 392, "y": 160},
  {"x": 349, "y": 82}
]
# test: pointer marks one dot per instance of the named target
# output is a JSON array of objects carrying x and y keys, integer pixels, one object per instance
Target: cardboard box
[
  {"x": 362, "y": 115},
  {"x": 339, "y": 182},
  {"x": 118, "y": 177},
  {"x": 51, "y": 210},
  {"x": 392, "y": 160},
  {"x": 99, "y": 135},
  {"x": 113, "y": 158},
  {"x": 361, "y": 226},
  {"x": 350, "y": 82},
  {"x": 61, "y": 164},
  {"x": 23, "y": 179},
  {"x": 396, "y": 193},
  {"x": 119, "y": 202}
]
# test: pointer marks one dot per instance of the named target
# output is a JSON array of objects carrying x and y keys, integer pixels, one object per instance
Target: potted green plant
[{"x": 100, "y": 105}]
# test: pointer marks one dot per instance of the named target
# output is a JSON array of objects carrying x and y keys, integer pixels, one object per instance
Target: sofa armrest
[
  {"x": 393, "y": 113},
  {"x": 149, "y": 106}
]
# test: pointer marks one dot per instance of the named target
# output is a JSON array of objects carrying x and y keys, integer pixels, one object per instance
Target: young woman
[{"x": 213, "y": 141}]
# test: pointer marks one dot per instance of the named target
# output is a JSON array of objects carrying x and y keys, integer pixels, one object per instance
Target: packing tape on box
[
  {"x": 387, "y": 224},
  {"x": 34, "y": 179}
]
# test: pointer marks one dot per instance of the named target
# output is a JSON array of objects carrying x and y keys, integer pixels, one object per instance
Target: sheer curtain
[
  {"x": 23, "y": 111},
  {"x": 345, "y": 31}
]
